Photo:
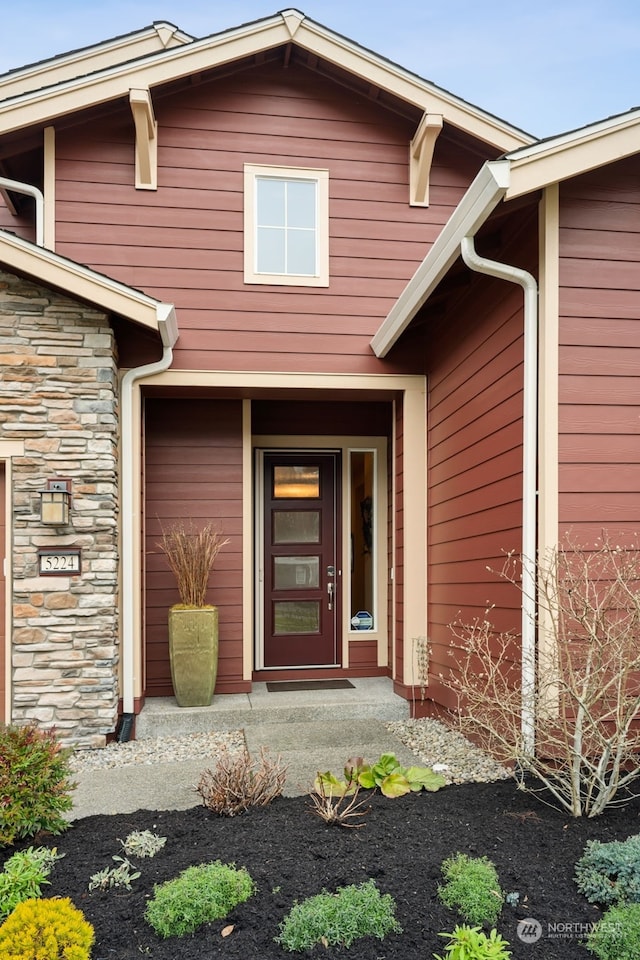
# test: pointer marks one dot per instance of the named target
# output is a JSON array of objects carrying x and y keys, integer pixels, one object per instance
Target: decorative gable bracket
[
  {"x": 146, "y": 139},
  {"x": 421, "y": 157}
]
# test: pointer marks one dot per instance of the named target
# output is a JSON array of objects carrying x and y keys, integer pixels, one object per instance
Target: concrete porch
[{"x": 370, "y": 698}]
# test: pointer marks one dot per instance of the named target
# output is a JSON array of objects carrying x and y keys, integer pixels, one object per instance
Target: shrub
[
  {"x": 23, "y": 876},
  {"x": 583, "y": 703},
  {"x": 199, "y": 894},
  {"x": 143, "y": 843},
  {"x": 339, "y": 918},
  {"x": 121, "y": 876},
  {"x": 34, "y": 783},
  {"x": 472, "y": 888},
  {"x": 237, "y": 782},
  {"x": 48, "y": 930},
  {"x": 470, "y": 943},
  {"x": 610, "y": 872},
  {"x": 339, "y": 807},
  {"x": 617, "y": 935}
]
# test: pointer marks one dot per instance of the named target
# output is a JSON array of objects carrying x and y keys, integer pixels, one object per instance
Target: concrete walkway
[{"x": 345, "y": 723}]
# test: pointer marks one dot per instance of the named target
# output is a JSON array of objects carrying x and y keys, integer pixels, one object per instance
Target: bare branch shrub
[
  {"x": 237, "y": 782},
  {"x": 191, "y": 553},
  {"x": 338, "y": 807},
  {"x": 586, "y": 696}
]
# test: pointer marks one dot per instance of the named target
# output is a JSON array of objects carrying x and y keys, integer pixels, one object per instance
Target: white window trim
[{"x": 321, "y": 178}]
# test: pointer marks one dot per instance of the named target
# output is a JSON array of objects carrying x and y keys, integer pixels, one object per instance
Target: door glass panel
[
  {"x": 291, "y": 573},
  {"x": 296, "y": 616},
  {"x": 296, "y": 526},
  {"x": 362, "y": 468},
  {"x": 293, "y": 483}
]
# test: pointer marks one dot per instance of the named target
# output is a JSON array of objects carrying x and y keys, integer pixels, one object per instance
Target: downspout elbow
[{"x": 29, "y": 190}]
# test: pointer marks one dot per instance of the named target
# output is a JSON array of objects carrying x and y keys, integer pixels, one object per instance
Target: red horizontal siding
[
  {"x": 193, "y": 472},
  {"x": 183, "y": 243},
  {"x": 474, "y": 468},
  {"x": 599, "y": 442}
]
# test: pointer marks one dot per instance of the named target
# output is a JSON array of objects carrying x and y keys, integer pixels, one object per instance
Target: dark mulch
[{"x": 292, "y": 854}]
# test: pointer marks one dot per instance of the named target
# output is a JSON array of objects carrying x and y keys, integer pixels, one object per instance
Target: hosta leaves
[
  {"x": 424, "y": 778},
  {"x": 386, "y": 773},
  {"x": 395, "y": 785}
]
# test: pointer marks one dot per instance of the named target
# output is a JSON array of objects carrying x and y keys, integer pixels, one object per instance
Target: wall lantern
[{"x": 55, "y": 501}]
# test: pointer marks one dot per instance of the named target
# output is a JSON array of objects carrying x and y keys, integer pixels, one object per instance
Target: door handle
[{"x": 330, "y": 592}]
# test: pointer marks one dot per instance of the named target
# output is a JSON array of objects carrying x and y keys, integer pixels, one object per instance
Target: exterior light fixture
[{"x": 55, "y": 501}]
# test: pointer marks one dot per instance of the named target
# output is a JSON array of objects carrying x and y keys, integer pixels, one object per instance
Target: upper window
[{"x": 286, "y": 226}]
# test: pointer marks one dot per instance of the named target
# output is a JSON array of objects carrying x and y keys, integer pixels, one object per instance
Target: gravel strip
[
  {"x": 192, "y": 746},
  {"x": 435, "y": 744},
  {"x": 447, "y": 751}
]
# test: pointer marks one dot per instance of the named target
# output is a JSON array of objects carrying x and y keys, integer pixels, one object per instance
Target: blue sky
[{"x": 546, "y": 66}]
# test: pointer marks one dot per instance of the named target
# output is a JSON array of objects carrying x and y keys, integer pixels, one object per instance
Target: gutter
[
  {"x": 482, "y": 197},
  {"x": 168, "y": 328},
  {"x": 38, "y": 196},
  {"x": 503, "y": 271}
]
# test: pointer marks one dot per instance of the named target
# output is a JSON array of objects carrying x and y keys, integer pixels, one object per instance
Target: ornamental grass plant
[{"x": 191, "y": 553}]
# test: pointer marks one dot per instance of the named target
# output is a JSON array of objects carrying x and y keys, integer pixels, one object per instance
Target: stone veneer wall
[{"x": 58, "y": 394}]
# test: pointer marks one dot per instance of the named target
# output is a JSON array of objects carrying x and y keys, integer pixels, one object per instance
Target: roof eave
[
  {"x": 77, "y": 281},
  {"x": 482, "y": 197}
]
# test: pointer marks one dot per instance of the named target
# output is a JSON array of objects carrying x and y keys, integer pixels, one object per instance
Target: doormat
[{"x": 288, "y": 686}]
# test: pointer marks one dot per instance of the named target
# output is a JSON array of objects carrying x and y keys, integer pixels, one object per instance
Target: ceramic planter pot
[{"x": 193, "y": 654}]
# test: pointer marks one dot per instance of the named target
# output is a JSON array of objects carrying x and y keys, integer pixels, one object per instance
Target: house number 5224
[{"x": 58, "y": 562}]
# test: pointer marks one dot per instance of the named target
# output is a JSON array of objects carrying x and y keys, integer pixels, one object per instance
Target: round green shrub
[
  {"x": 617, "y": 935},
  {"x": 35, "y": 783},
  {"x": 46, "y": 929},
  {"x": 472, "y": 888},
  {"x": 198, "y": 895},
  {"x": 340, "y": 918}
]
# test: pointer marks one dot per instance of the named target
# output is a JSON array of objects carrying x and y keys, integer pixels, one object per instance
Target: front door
[{"x": 300, "y": 560}]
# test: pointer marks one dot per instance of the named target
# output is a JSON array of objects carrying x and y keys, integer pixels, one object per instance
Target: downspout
[
  {"x": 529, "y": 456},
  {"x": 167, "y": 329},
  {"x": 38, "y": 196}
]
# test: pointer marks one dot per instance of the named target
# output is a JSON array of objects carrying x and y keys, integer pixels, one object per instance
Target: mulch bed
[{"x": 292, "y": 854}]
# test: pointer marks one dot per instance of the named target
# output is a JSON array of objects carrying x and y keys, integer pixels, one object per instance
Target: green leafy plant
[
  {"x": 198, "y": 895},
  {"x": 143, "y": 843},
  {"x": 471, "y": 943},
  {"x": 617, "y": 935},
  {"x": 35, "y": 783},
  {"x": 47, "y": 929},
  {"x": 238, "y": 782},
  {"x": 610, "y": 872},
  {"x": 23, "y": 876},
  {"x": 472, "y": 888},
  {"x": 339, "y": 918},
  {"x": 387, "y": 774},
  {"x": 121, "y": 876}
]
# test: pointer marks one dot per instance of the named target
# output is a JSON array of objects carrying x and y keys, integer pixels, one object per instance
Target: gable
[{"x": 288, "y": 33}]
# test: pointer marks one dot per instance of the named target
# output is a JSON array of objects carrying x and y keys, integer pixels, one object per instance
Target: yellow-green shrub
[{"x": 47, "y": 929}]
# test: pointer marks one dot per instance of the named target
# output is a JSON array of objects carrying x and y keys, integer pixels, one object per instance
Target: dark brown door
[{"x": 300, "y": 561}]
